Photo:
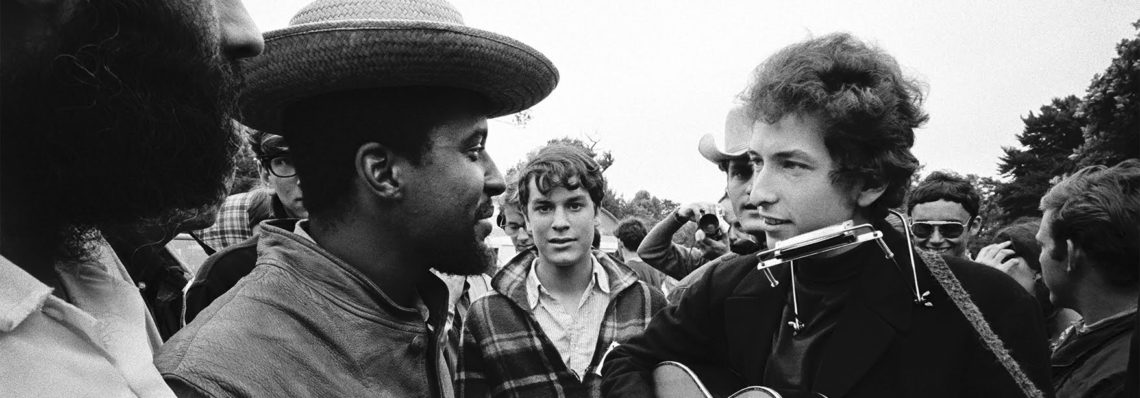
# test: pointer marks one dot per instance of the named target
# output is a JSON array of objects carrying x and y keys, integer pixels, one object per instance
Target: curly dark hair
[
  {"x": 560, "y": 165},
  {"x": 868, "y": 110},
  {"x": 945, "y": 185}
]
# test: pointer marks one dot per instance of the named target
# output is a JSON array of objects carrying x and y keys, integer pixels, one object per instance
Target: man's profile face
[
  {"x": 447, "y": 194},
  {"x": 288, "y": 189},
  {"x": 737, "y": 188},
  {"x": 562, "y": 224},
  {"x": 1053, "y": 271},
  {"x": 941, "y": 239},
  {"x": 514, "y": 225},
  {"x": 127, "y": 102},
  {"x": 792, "y": 186}
]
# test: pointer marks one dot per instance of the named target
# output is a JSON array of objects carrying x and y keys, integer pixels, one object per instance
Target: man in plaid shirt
[{"x": 558, "y": 307}]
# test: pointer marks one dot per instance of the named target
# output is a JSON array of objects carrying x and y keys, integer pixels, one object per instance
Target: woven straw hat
[
  {"x": 338, "y": 45},
  {"x": 737, "y": 132}
]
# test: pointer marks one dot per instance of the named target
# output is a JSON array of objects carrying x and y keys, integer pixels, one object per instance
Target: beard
[
  {"x": 126, "y": 119},
  {"x": 468, "y": 255}
]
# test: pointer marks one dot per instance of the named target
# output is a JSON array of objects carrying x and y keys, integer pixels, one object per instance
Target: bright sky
[{"x": 648, "y": 78}]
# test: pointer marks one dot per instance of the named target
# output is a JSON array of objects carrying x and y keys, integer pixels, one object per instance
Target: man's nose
[
  {"x": 760, "y": 192},
  {"x": 561, "y": 219},
  {"x": 494, "y": 183},
  {"x": 240, "y": 37}
]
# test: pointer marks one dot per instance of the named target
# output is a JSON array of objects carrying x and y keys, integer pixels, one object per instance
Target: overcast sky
[{"x": 647, "y": 79}]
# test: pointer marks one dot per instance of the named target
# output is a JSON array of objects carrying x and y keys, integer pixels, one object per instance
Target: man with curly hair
[
  {"x": 558, "y": 306},
  {"x": 833, "y": 126}
]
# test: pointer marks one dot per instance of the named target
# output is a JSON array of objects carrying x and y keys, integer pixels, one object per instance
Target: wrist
[{"x": 678, "y": 218}]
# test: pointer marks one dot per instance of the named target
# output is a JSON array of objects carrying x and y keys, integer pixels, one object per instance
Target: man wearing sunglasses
[{"x": 942, "y": 210}]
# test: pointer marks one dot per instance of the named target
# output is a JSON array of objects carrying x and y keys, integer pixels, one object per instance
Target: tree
[
  {"x": 991, "y": 216},
  {"x": 1112, "y": 109},
  {"x": 1048, "y": 142}
]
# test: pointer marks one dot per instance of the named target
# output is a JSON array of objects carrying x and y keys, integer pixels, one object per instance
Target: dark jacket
[
  {"x": 220, "y": 272},
  {"x": 883, "y": 345},
  {"x": 305, "y": 323},
  {"x": 506, "y": 353},
  {"x": 1093, "y": 363}
]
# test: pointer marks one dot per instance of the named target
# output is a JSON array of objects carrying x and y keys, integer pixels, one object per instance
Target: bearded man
[
  {"x": 388, "y": 135},
  {"x": 116, "y": 115}
]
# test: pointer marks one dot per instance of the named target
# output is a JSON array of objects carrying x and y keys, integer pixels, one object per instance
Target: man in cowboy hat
[
  {"x": 834, "y": 123},
  {"x": 678, "y": 262},
  {"x": 385, "y": 106},
  {"x": 116, "y": 115}
]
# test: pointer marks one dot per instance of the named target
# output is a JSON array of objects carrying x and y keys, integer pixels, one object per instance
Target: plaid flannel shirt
[
  {"x": 235, "y": 223},
  {"x": 506, "y": 354}
]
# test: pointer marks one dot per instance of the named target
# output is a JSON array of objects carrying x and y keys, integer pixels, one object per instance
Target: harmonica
[{"x": 819, "y": 241}]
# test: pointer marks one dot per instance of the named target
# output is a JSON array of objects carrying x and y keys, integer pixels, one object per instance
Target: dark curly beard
[{"x": 126, "y": 119}]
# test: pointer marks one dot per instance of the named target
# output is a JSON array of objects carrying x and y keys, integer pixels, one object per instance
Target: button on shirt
[{"x": 574, "y": 335}]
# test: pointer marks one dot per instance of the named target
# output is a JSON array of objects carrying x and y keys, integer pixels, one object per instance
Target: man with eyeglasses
[
  {"x": 232, "y": 235},
  {"x": 280, "y": 198},
  {"x": 943, "y": 210},
  {"x": 510, "y": 218}
]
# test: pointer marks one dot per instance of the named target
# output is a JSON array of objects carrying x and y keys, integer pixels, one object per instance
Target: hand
[
  {"x": 712, "y": 248},
  {"x": 694, "y": 211},
  {"x": 996, "y": 255}
]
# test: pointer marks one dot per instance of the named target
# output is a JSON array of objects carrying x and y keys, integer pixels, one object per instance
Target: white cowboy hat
[
  {"x": 339, "y": 45},
  {"x": 737, "y": 132}
]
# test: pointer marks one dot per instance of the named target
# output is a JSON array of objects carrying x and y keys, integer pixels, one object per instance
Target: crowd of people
[{"x": 820, "y": 271}]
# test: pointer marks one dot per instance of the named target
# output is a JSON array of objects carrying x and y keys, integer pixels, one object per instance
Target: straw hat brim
[
  {"x": 708, "y": 148},
  {"x": 305, "y": 60}
]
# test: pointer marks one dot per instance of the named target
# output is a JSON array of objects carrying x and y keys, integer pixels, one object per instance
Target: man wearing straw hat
[{"x": 384, "y": 104}]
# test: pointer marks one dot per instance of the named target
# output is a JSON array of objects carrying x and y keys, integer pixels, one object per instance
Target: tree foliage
[
  {"x": 1048, "y": 141},
  {"x": 1112, "y": 109}
]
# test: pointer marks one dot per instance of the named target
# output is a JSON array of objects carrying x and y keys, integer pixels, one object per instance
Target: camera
[{"x": 712, "y": 225}]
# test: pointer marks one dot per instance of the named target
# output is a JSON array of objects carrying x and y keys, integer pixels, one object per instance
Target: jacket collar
[
  {"x": 340, "y": 282},
  {"x": 511, "y": 281},
  {"x": 1076, "y": 345}
]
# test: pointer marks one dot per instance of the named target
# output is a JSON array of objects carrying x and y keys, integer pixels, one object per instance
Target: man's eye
[
  {"x": 475, "y": 153},
  {"x": 794, "y": 165},
  {"x": 575, "y": 206},
  {"x": 740, "y": 170}
]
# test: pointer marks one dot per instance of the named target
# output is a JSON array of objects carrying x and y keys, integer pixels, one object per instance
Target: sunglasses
[{"x": 948, "y": 229}]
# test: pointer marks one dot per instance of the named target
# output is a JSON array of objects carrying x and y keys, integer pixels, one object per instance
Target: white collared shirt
[
  {"x": 101, "y": 344},
  {"x": 574, "y": 335}
]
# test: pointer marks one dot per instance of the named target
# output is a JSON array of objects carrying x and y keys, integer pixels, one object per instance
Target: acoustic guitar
[{"x": 675, "y": 380}]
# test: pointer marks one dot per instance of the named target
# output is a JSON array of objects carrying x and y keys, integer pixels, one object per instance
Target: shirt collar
[
  {"x": 600, "y": 281},
  {"x": 21, "y": 294},
  {"x": 300, "y": 230}
]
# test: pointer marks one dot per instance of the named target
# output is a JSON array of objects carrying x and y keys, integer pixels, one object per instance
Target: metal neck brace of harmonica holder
[{"x": 829, "y": 239}]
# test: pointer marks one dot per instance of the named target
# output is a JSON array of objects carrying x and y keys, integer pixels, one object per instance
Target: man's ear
[
  {"x": 866, "y": 196},
  {"x": 975, "y": 225},
  {"x": 1074, "y": 255},
  {"x": 378, "y": 168}
]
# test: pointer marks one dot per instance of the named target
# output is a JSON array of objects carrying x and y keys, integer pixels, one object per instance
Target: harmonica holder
[{"x": 821, "y": 241}]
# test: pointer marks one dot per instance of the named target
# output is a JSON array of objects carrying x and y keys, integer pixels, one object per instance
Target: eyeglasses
[
  {"x": 280, "y": 165},
  {"x": 511, "y": 228},
  {"x": 948, "y": 229}
]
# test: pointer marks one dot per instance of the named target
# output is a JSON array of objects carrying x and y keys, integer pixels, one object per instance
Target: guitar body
[{"x": 674, "y": 380}]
